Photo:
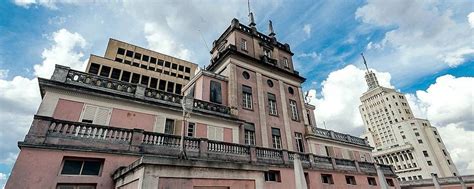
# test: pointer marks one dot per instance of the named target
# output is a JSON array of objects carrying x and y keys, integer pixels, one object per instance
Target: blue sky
[{"x": 413, "y": 42}]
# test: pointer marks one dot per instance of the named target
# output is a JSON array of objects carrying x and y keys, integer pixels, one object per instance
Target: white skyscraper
[{"x": 410, "y": 144}]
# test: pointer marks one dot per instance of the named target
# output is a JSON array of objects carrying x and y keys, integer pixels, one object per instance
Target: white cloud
[
  {"x": 313, "y": 55},
  {"x": 339, "y": 102},
  {"x": 470, "y": 19},
  {"x": 3, "y": 179},
  {"x": 20, "y": 96},
  {"x": 160, "y": 40},
  {"x": 447, "y": 104},
  {"x": 62, "y": 52},
  {"x": 3, "y": 74},
  {"x": 307, "y": 30},
  {"x": 50, "y": 4},
  {"x": 423, "y": 37}
]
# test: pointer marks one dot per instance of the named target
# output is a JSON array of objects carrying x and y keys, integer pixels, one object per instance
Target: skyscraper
[{"x": 410, "y": 144}]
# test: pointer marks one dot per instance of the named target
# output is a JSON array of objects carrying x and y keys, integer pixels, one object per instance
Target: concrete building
[
  {"x": 411, "y": 145},
  {"x": 130, "y": 63},
  {"x": 247, "y": 126}
]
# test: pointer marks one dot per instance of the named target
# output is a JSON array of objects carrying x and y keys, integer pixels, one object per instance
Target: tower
[{"x": 410, "y": 144}]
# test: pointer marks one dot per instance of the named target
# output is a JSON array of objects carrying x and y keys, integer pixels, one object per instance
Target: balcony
[
  {"x": 67, "y": 135},
  {"x": 112, "y": 87},
  {"x": 329, "y": 134}
]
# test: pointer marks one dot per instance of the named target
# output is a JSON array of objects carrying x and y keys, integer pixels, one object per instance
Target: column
[
  {"x": 286, "y": 119},
  {"x": 262, "y": 112}
]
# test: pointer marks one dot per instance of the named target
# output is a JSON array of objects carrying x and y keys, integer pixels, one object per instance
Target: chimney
[{"x": 270, "y": 28}]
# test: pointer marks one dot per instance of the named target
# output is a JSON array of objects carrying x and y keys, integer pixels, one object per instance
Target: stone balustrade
[
  {"x": 338, "y": 136},
  {"x": 136, "y": 91},
  {"x": 83, "y": 136}
]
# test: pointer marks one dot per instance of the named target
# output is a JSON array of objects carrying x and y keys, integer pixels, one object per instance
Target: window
[
  {"x": 449, "y": 162},
  {"x": 246, "y": 75},
  {"x": 249, "y": 133},
  {"x": 127, "y": 62},
  {"x": 177, "y": 89},
  {"x": 153, "y": 83},
  {"x": 435, "y": 133},
  {"x": 125, "y": 76},
  {"x": 76, "y": 186},
  {"x": 105, "y": 71},
  {"x": 215, "y": 92},
  {"x": 276, "y": 138},
  {"x": 445, "y": 153},
  {"x": 129, "y": 53},
  {"x": 153, "y": 60},
  {"x": 145, "y": 58},
  {"x": 267, "y": 53},
  {"x": 145, "y": 80},
  {"x": 118, "y": 60},
  {"x": 215, "y": 133},
  {"x": 121, "y": 51},
  {"x": 246, "y": 97},
  {"x": 169, "y": 126},
  {"x": 243, "y": 44},
  {"x": 181, "y": 68},
  {"x": 94, "y": 68},
  {"x": 143, "y": 66},
  {"x": 174, "y": 66},
  {"x": 167, "y": 64},
  {"x": 420, "y": 141},
  {"x": 350, "y": 180},
  {"x": 371, "y": 181},
  {"x": 294, "y": 110},
  {"x": 272, "y": 106},
  {"x": 160, "y": 62},
  {"x": 115, "y": 74},
  {"x": 429, "y": 163},
  {"x": 190, "y": 132},
  {"x": 73, "y": 166},
  {"x": 187, "y": 70},
  {"x": 327, "y": 179},
  {"x": 186, "y": 77},
  {"x": 95, "y": 115},
  {"x": 439, "y": 140},
  {"x": 285, "y": 62},
  {"x": 290, "y": 90},
  {"x": 138, "y": 56},
  {"x": 417, "y": 134},
  {"x": 272, "y": 176},
  {"x": 270, "y": 83},
  {"x": 299, "y": 142},
  {"x": 135, "y": 78},
  {"x": 425, "y": 153},
  {"x": 162, "y": 85},
  {"x": 170, "y": 87}
]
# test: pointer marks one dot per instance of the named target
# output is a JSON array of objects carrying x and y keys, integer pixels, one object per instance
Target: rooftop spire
[
  {"x": 270, "y": 29},
  {"x": 370, "y": 76},
  {"x": 251, "y": 19}
]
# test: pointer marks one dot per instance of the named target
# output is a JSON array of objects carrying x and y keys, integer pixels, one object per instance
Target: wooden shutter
[
  {"x": 88, "y": 112},
  {"x": 102, "y": 116},
  {"x": 159, "y": 124},
  {"x": 211, "y": 132}
]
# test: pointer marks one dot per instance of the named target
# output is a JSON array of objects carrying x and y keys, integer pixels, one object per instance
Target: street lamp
[{"x": 187, "y": 103}]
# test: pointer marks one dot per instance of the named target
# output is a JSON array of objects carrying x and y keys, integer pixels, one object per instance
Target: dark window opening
[
  {"x": 145, "y": 80},
  {"x": 174, "y": 66},
  {"x": 215, "y": 92},
  {"x": 177, "y": 89},
  {"x": 290, "y": 90},
  {"x": 118, "y": 60},
  {"x": 135, "y": 78},
  {"x": 153, "y": 60},
  {"x": 187, "y": 70},
  {"x": 272, "y": 176},
  {"x": 327, "y": 179},
  {"x": 143, "y": 66},
  {"x": 246, "y": 75},
  {"x": 153, "y": 83},
  {"x": 170, "y": 87},
  {"x": 145, "y": 58},
  {"x": 125, "y": 76},
  {"x": 129, "y": 53},
  {"x": 351, "y": 180},
  {"x": 127, "y": 62},
  {"x": 372, "y": 181},
  {"x": 160, "y": 62},
  {"x": 94, "y": 68},
  {"x": 105, "y": 71},
  {"x": 115, "y": 74},
  {"x": 167, "y": 64},
  {"x": 136, "y": 64},
  {"x": 81, "y": 167},
  {"x": 138, "y": 56},
  {"x": 181, "y": 68},
  {"x": 121, "y": 51},
  {"x": 169, "y": 126},
  {"x": 173, "y": 74},
  {"x": 162, "y": 85}
]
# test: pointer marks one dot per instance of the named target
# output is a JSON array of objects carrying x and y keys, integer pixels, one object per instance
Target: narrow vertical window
[
  {"x": 272, "y": 106},
  {"x": 215, "y": 92},
  {"x": 249, "y": 134},
  {"x": 243, "y": 44},
  {"x": 299, "y": 142},
  {"x": 276, "y": 138},
  {"x": 169, "y": 126},
  {"x": 191, "y": 129},
  {"x": 246, "y": 97},
  {"x": 294, "y": 110},
  {"x": 285, "y": 62}
]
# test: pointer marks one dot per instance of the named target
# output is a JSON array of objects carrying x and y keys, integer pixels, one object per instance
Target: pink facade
[
  {"x": 131, "y": 119},
  {"x": 196, "y": 183},
  {"x": 68, "y": 110},
  {"x": 41, "y": 168}
]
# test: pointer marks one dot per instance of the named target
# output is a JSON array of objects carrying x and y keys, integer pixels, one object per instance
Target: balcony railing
[
  {"x": 92, "y": 81},
  {"x": 75, "y": 135},
  {"x": 338, "y": 136}
]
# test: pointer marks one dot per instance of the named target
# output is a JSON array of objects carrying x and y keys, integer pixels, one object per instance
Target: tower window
[
  {"x": 294, "y": 110},
  {"x": 290, "y": 90},
  {"x": 285, "y": 62},
  {"x": 243, "y": 44},
  {"x": 215, "y": 92},
  {"x": 272, "y": 106},
  {"x": 246, "y": 97},
  {"x": 276, "y": 138},
  {"x": 246, "y": 75},
  {"x": 270, "y": 83},
  {"x": 299, "y": 142}
]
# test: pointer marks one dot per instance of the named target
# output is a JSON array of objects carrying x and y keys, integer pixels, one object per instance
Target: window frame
[
  {"x": 83, "y": 160},
  {"x": 294, "y": 110},
  {"x": 247, "y": 98}
]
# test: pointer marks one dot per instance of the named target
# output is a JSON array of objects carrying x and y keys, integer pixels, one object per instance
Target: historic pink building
[{"x": 118, "y": 124}]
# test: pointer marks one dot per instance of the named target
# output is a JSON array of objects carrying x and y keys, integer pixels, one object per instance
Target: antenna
[
  {"x": 324, "y": 123},
  {"x": 248, "y": 5},
  {"x": 365, "y": 63}
]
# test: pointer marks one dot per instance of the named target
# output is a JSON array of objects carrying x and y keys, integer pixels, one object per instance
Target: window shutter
[
  {"x": 88, "y": 112},
  {"x": 102, "y": 116},
  {"x": 219, "y": 133},
  {"x": 211, "y": 132},
  {"x": 159, "y": 124}
]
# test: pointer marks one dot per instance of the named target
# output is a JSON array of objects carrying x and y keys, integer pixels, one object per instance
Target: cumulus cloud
[
  {"x": 313, "y": 55},
  {"x": 447, "y": 104},
  {"x": 50, "y": 4},
  {"x": 3, "y": 74},
  {"x": 20, "y": 96},
  {"x": 339, "y": 101},
  {"x": 62, "y": 52},
  {"x": 421, "y": 35},
  {"x": 160, "y": 40}
]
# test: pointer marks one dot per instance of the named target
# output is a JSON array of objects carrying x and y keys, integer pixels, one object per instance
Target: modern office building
[
  {"x": 411, "y": 145},
  {"x": 130, "y": 63},
  {"x": 248, "y": 125}
]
